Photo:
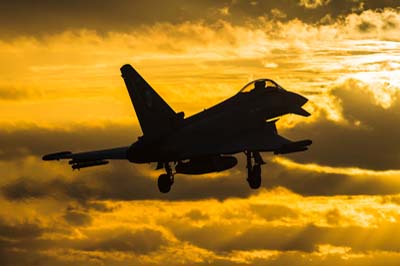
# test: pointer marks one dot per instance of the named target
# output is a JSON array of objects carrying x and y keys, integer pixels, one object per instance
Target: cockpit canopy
[{"x": 258, "y": 84}]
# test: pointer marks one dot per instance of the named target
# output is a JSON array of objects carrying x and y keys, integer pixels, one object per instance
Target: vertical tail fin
[{"x": 155, "y": 116}]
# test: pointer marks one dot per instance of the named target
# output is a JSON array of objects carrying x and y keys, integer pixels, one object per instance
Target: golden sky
[{"x": 61, "y": 89}]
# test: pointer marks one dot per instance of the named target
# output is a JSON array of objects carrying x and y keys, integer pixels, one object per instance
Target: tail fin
[{"x": 155, "y": 116}]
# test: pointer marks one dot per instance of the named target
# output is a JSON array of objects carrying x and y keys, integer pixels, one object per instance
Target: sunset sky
[{"x": 61, "y": 89}]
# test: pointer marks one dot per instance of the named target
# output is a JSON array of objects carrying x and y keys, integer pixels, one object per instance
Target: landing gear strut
[
  {"x": 166, "y": 180},
  {"x": 254, "y": 171}
]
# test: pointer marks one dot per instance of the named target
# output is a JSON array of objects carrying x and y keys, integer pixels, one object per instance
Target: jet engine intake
[{"x": 198, "y": 166}]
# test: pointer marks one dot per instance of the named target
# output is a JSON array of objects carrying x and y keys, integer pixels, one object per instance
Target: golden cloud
[
  {"x": 230, "y": 231},
  {"x": 313, "y": 3}
]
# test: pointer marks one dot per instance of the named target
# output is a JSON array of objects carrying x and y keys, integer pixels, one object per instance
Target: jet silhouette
[{"x": 205, "y": 142}]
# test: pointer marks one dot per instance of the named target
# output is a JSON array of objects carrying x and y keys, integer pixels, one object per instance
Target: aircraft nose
[
  {"x": 295, "y": 102},
  {"x": 296, "y": 99}
]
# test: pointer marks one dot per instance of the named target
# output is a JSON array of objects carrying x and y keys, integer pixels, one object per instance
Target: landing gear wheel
[
  {"x": 164, "y": 183},
  {"x": 166, "y": 180},
  {"x": 254, "y": 171},
  {"x": 254, "y": 178},
  {"x": 257, "y": 171}
]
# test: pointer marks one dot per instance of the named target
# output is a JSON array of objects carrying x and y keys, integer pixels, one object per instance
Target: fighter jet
[{"x": 205, "y": 142}]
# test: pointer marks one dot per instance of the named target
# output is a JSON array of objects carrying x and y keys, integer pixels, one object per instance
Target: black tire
[
  {"x": 254, "y": 179},
  {"x": 257, "y": 171},
  {"x": 164, "y": 183},
  {"x": 249, "y": 172}
]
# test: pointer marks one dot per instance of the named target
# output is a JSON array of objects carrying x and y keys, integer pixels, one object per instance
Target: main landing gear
[
  {"x": 254, "y": 171},
  {"x": 166, "y": 180}
]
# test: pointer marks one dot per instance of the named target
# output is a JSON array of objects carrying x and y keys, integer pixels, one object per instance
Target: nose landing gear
[
  {"x": 166, "y": 180},
  {"x": 254, "y": 171}
]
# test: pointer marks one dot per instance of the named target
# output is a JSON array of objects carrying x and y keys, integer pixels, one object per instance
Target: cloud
[
  {"x": 19, "y": 231},
  {"x": 25, "y": 246},
  {"x": 222, "y": 56},
  {"x": 313, "y": 3},
  {"x": 77, "y": 218},
  {"x": 269, "y": 227},
  {"x": 16, "y": 142},
  {"x": 274, "y": 212},
  {"x": 366, "y": 26},
  {"x": 13, "y": 93},
  {"x": 47, "y": 18},
  {"x": 365, "y": 140},
  {"x": 141, "y": 241},
  {"x": 24, "y": 189},
  {"x": 307, "y": 238},
  {"x": 123, "y": 181}
]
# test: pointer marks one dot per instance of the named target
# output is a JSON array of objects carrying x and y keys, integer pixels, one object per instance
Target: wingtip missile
[{"x": 83, "y": 164}]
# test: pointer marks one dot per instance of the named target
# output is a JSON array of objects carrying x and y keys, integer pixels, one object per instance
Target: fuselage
[{"x": 245, "y": 111}]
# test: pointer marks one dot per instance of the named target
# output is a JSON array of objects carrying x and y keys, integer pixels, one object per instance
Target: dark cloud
[
  {"x": 366, "y": 26},
  {"x": 196, "y": 215},
  {"x": 16, "y": 143},
  {"x": 24, "y": 188},
  {"x": 27, "y": 18},
  {"x": 141, "y": 241},
  {"x": 371, "y": 145},
  {"x": 13, "y": 93},
  {"x": 305, "y": 238},
  {"x": 262, "y": 237},
  {"x": 118, "y": 181},
  {"x": 99, "y": 206},
  {"x": 122, "y": 181},
  {"x": 15, "y": 238},
  {"x": 77, "y": 218},
  {"x": 24, "y": 244},
  {"x": 19, "y": 231},
  {"x": 13, "y": 257},
  {"x": 312, "y": 183},
  {"x": 316, "y": 259}
]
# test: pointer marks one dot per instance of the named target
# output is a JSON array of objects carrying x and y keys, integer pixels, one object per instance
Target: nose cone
[
  {"x": 296, "y": 99},
  {"x": 295, "y": 102}
]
